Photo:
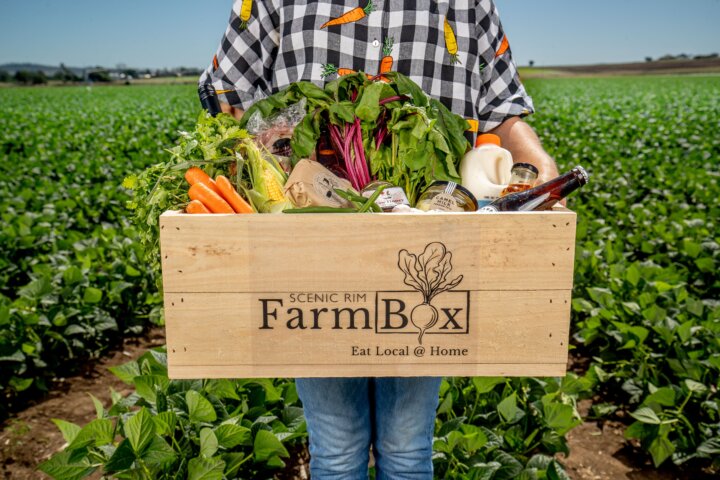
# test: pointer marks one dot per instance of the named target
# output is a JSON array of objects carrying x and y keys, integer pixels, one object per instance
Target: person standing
[{"x": 458, "y": 53}]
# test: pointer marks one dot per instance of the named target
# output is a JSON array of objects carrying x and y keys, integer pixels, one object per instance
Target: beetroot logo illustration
[{"x": 428, "y": 273}]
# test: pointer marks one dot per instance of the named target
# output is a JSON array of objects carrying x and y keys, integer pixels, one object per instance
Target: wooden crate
[{"x": 323, "y": 295}]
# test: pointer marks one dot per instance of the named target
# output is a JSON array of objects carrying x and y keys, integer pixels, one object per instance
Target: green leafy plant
[
  {"x": 500, "y": 428},
  {"x": 167, "y": 429}
]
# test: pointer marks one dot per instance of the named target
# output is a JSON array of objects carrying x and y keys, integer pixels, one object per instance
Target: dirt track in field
[
  {"x": 599, "y": 451},
  {"x": 30, "y": 437}
]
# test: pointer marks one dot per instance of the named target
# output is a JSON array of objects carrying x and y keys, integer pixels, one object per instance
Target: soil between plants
[
  {"x": 598, "y": 449},
  {"x": 29, "y": 437}
]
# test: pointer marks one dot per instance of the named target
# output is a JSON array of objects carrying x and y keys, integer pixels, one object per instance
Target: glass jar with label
[
  {"x": 447, "y": 197},
  {"x": 523, "y": 176},
  {"x": 389, "y": 198}
]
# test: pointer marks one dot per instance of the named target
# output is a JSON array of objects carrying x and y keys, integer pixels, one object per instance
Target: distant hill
[
  {"x": 674, "y": 66},
  {"x": 48, "y": 70},
  {"x": 120, "y": 73}
]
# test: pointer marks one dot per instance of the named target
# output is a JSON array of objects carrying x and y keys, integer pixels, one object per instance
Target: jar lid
[
  {"x": 450, "y": 187},
  {"x": 527, "y": 166},
  {"x": 372, "y": 186}
]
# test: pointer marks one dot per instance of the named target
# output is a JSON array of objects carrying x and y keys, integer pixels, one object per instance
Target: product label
[
  {"x": 444, "y": 202},
  {"x": 485, "y": 199},
  {"x": 488, "y": 209},
  {"x": 389, "y": 198},
  {"x": 325, "y": 185}
]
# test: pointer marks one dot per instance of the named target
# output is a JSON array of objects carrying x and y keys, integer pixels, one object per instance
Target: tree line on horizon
[{"x": 38, "y": 76}]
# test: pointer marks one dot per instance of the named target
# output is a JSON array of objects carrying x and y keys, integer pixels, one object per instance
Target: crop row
[
  {"x": 645, "y": 308},
  {"x": 72, "y": 280}
]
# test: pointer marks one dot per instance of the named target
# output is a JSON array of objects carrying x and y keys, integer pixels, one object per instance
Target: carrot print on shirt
[
  {"x": 387, "y": 61},
  {"x": 385, "y": 64},
  {"x": 451, "y": 42},
  {"x": 504, "y": 45},
  {"x": 354, "y": 15},
  {"x": 245, "y": 11}
]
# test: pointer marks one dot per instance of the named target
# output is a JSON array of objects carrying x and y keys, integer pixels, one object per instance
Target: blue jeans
[{"x": 346, "y": 415}]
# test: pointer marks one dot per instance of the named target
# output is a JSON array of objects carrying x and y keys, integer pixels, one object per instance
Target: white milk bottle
[{"x": 485, "y": 170}]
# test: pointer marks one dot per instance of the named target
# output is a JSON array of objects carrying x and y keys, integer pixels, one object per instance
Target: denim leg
[
  {"x": 337, "y": 411},
  {"x": 404, "y": 426}
]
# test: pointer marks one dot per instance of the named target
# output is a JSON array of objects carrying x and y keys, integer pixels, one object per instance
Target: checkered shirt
[{"x": 282, "y": 42}]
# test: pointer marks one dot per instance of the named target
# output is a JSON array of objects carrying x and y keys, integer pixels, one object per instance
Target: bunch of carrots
[{"x": 213, "y": 196}]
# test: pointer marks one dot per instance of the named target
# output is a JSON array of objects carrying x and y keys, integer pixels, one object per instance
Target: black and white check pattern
[{"x": 283, "y": 43}]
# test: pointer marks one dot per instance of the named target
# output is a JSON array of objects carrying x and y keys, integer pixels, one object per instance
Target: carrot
[
  {"x": 195, "y": 175},
  {"x": 213, "y": 201},
  {"x": 228, "y": 192},
  {"x": 196, "y": 206},
  {"x": 216, "y": 65},
  {"x": 451, "y": 42},
  {"x": 357, "y": 13},
  {"x": 387, "y": 61},
  {"x": 245, "y": 11},
  {"x": 504, "y": 45}
]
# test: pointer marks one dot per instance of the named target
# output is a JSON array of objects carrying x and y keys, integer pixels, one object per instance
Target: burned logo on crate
[
  {"x": 433, "y": 305},
  {"x": 430, "y": 306}
]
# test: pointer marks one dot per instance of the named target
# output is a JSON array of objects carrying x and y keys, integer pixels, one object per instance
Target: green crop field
[{"x": 646, "y": 308}]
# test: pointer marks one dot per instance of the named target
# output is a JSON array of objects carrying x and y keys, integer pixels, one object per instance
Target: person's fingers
[
  {"x": 235, "y": 112},
  {"x": 226, "y": 107}
]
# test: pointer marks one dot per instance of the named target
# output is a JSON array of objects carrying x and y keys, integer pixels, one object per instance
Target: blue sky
[{"x": 164, "y": 33}]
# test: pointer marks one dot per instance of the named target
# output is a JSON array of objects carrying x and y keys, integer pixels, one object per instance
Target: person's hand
[{"x": 235, "y": 112}]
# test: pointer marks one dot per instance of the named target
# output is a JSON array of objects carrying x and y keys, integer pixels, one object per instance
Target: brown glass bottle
[{"x": 541, "y": 197}]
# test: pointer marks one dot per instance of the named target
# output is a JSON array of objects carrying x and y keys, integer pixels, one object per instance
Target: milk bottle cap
[{"x": 487, "y": 138}]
